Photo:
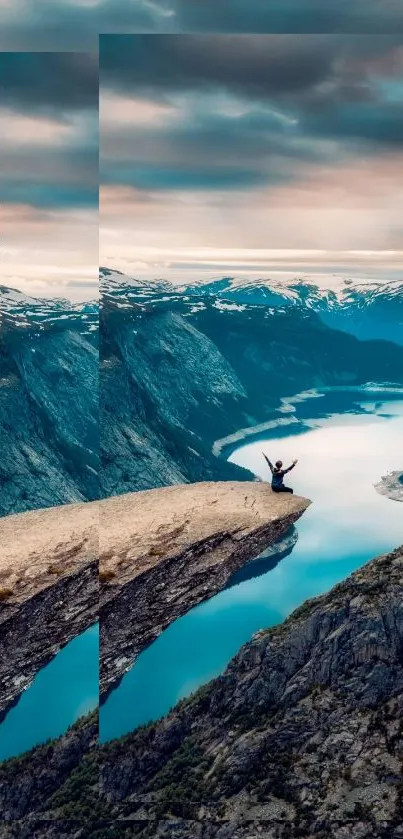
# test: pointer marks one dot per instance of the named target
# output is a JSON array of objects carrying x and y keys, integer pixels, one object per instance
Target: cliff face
[
  {"x": 165, "y": 390},
  {"x": 302, "y": 734},
  {"x": 183, "y": 542},
  {"x": 48, "y": 588},
  {"x": 165, "y": 550},
  {"x": 48, "y": 416}
]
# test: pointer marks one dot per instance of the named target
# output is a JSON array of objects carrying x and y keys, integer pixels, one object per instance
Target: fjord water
[
  {"x": 64, "y": 690},
  {"x": 345, "y": 442}
]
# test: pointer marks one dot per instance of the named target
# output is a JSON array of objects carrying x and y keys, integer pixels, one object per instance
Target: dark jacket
[{"x": 277, "y": 475}]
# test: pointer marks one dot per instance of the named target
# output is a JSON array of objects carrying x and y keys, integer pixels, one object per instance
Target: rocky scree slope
[{"x": 304, "y": 728}]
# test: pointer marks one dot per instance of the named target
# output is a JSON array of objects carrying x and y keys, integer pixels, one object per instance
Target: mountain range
[{"x": 366, "y": 309}]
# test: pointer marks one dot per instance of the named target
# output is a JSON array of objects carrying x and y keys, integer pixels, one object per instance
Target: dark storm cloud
[
  {"x": 50, "y": 82},
  {"x": 282, "y": 102},
  {"x": 210, "y": 151},
  {"x": 300, "y": 16},
  {"x": 63, "y": 177},
  {"x": 75, "y": 25},
  {"x": 316, "y": 71},
  {"x": 254, "y": 66},
  {"x": 49, "y": 110},
  {"x": 155, "y": 177}
]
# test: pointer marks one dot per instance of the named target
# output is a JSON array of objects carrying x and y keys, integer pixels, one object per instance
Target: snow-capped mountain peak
[
  {"x": 20, "y": 310},
  {"x": 366, "y": 308}
]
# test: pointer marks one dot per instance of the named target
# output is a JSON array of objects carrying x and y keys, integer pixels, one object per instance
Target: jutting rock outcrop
[{"x": 163, "y": 551}]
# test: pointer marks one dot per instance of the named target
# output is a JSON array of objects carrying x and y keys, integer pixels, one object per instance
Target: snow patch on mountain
[
  {"x": 365, "y": 308},
  {"x": 19, "y": 310}
]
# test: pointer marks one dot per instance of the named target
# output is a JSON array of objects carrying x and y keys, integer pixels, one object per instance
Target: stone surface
[
  {"x": 163, "y": 551},
  {"x": 48, "y": 588},
  {"x": 391, "y": 485}
]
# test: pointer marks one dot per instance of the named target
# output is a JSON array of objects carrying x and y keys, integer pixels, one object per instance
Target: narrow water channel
[{"x": 64, "y": 690}]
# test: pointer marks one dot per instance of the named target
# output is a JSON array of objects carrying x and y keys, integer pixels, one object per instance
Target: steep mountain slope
[
  {"x": 48, "y": 402},
  {"x": 179, "y": 371},
  {"x": 283, "y": 353},
  {"x": 165, "y": 388},
  {"x": 303, "y": 731},
  {"x": 28, "y": 784}
]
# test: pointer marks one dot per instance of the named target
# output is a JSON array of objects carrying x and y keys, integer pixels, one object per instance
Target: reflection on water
[
  {"x": 342, "y": 453},
  {"x": 266, "y": 561},
  {"x": 63, "y": 691}
]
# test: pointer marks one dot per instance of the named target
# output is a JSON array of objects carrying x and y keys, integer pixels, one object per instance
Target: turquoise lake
[
  {"x": 345, "y": 442},
  {"x": 63, "y": 691}
]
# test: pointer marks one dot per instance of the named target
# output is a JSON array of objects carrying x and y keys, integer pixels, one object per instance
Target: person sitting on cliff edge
[{"x": 277, "y": 474}]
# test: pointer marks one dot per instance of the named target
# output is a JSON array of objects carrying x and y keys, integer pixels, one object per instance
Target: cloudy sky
[
  {"x": 74, "y": 24},
  {"x": 247, "y": 154},
  {"x": 49, "y": 173}
]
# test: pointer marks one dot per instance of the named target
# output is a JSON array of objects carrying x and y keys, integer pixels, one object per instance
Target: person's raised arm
[
  {"x": 294, "y": 463},
  {"x": 269, "y": 462}
]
